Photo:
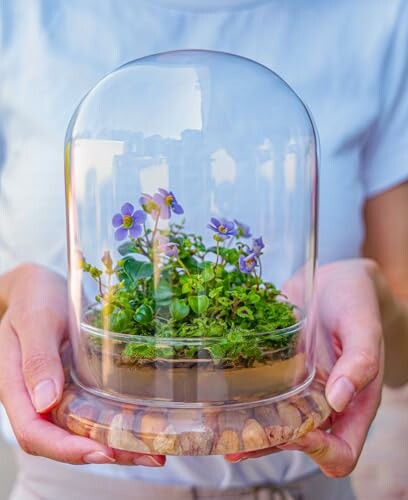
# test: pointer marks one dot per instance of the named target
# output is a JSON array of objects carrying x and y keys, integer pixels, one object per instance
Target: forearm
[{"x": 394, "y": 317}]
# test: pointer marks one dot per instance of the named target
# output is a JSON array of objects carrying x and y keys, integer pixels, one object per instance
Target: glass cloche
[{"x": 191, "y": 181}]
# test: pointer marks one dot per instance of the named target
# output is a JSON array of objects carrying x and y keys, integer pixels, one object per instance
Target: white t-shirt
[{"x": 347, "y": 60}]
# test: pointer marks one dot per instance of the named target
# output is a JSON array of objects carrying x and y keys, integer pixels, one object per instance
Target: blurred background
[{"x": 7, "y": 469}]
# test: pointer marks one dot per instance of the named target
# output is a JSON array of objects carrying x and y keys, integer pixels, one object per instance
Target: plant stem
[
  {"x": 218, "y": 255},
  {"x": 100, "y": 287},
  {"x": 183, "y": 266},
  {"x": 156, "y": 223},
  {"x": 155, "y": 260},
  {"x": 145, "y": 235}
]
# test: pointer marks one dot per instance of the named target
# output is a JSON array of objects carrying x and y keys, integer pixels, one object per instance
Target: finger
[
  {"x": 38, "y": 317},
  {"x": 239, "y": 457},
  {"x": 128, "y": 458},
  {"x": 337, "y": 452},
  {"x": 358, "y": 329},
  {"x": 35, "y": 434},
  {"x": 40, "y": 336}
]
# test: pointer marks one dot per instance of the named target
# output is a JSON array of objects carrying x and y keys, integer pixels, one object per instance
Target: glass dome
[{"x": 191, "y": 182}]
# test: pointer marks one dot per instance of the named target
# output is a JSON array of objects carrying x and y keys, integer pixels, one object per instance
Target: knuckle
[
  {"x": 25, "y": 442},
  {"x": 36, "y": 364},
  {"x": 368, "y": 363},
  {"x": 370, "y": 265}
]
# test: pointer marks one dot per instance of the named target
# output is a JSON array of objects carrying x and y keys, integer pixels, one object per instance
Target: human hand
[
  {"x": 32, "y": 333},
  {"x": 349, "y": 320}
]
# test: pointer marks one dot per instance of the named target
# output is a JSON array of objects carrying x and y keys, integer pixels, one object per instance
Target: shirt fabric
[{"x": 347, "y": 60}]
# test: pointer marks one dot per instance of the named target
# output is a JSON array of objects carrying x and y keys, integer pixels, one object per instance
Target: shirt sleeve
[{"x": 385, "y": 155}]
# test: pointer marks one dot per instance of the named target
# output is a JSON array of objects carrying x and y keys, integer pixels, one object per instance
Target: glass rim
[{"x": 177, "y": 341}]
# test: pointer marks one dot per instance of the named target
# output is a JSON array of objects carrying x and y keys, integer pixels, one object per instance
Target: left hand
[{"x": 348, "y": 317}]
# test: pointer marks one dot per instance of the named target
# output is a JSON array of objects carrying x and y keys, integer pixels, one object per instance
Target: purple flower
[
  {"x": 129, "y": 221},
  {"x": 223, "y": 228},
  {"x": 243, "y": 230},
  {"x": 171, "y": 201},
  {"x": 160, "y": 242},
  {"x": 161, "y": 204},
  {"x": 247, "y": 263},
  {"x": 152, "y": 204},
  {"x": 257, "y": 245},
  {"x": 171, "y": 250},
  {"x": 164, "y": 245}
]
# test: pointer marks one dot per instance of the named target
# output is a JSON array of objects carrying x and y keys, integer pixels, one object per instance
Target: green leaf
[
  {"x": 127, "y": 247},
  {"x": 199, "y": 303},
  {"x": 186, "y": 288},
  {"x": 253, "y": 297},
  {"x": 191, "y": 264},
  {"x": 136, "y": 269},
  {"x": 143, "y": 314},
  {"x": 244, "y": 312},
  {"x": 163, "y": 293},
  {"x": 215, "y": 291},
  {"x": 179, "y": 309},
  {"x": 207, "y": 274},
  {"x": 230, "y": 255}
]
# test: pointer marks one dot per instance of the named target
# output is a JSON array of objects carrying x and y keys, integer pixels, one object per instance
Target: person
[{"x": 347, "y": 61}]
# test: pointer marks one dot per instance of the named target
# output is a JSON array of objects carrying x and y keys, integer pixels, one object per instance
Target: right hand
[{"x": 32, "y": 332}]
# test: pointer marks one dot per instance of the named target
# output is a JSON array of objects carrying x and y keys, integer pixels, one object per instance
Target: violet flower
[
  {"x": 161, "y": 204},
  {"x": 129, "y": 221},
  {"x": 223, "y": 228},
  {"x": 257, "y": 246},
  {"x": 243, "y": 230},
  {"x": 171, "y": 249},
  {"x": 164, "y": 245},
  {"x": 171, "y": 202},
  {"x": 247, "y": 263},
  {"x": 151, "y": 204}
]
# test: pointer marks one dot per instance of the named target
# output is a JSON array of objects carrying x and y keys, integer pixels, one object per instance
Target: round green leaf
[
  {"x": 179, "y": 310},
  {"x": 136, "y": 269},
  {"x": 143, "y": 314},
  {"x": 199, "y": 303}
]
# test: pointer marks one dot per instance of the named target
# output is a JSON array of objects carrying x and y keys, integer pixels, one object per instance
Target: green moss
[{"x": 200, "y": 293}]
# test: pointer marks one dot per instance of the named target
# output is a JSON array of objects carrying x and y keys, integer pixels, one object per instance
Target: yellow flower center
[
  {"x": 127, "y": 221},
  {"x": 169, "y": 199},
  {"x": 151, "y": 206},
  {"x": 250, "y": 262},
  {"x": 222, "y": 229}
]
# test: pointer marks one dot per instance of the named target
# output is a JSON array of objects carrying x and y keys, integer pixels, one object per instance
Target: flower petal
[
  {"x": 135, "y": 231},
  {"x": 177, "y": 208},
  {"x": 117, "y": 220},
  {"x": 139, "y": 217},
  {"x": 163, "y": 192},
  {"x": 215, "y": 222},
  {"x": 127, "y": 209},
  {"x": 120, "y": 234},
  {"x": 159, "y": 199},
  {"x": 165, "y": 212}
]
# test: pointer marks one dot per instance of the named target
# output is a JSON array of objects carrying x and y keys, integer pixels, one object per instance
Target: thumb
[{"x": 40, "y": 334}]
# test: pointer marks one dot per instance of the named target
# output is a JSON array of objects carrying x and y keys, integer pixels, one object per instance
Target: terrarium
[{"x": 191, "y": 186}]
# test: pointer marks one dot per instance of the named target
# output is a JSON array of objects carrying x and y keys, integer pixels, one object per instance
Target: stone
[{"x": 228, "y": 442}]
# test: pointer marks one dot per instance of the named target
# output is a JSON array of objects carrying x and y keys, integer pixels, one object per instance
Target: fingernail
[
  {"x": 44, "y": 395},
  {"x": 340, "y": 394},
  {"x": 98, "y": 457},
  {"x": 291, "y": 447},
  {"x": 148, "y": 461}
]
